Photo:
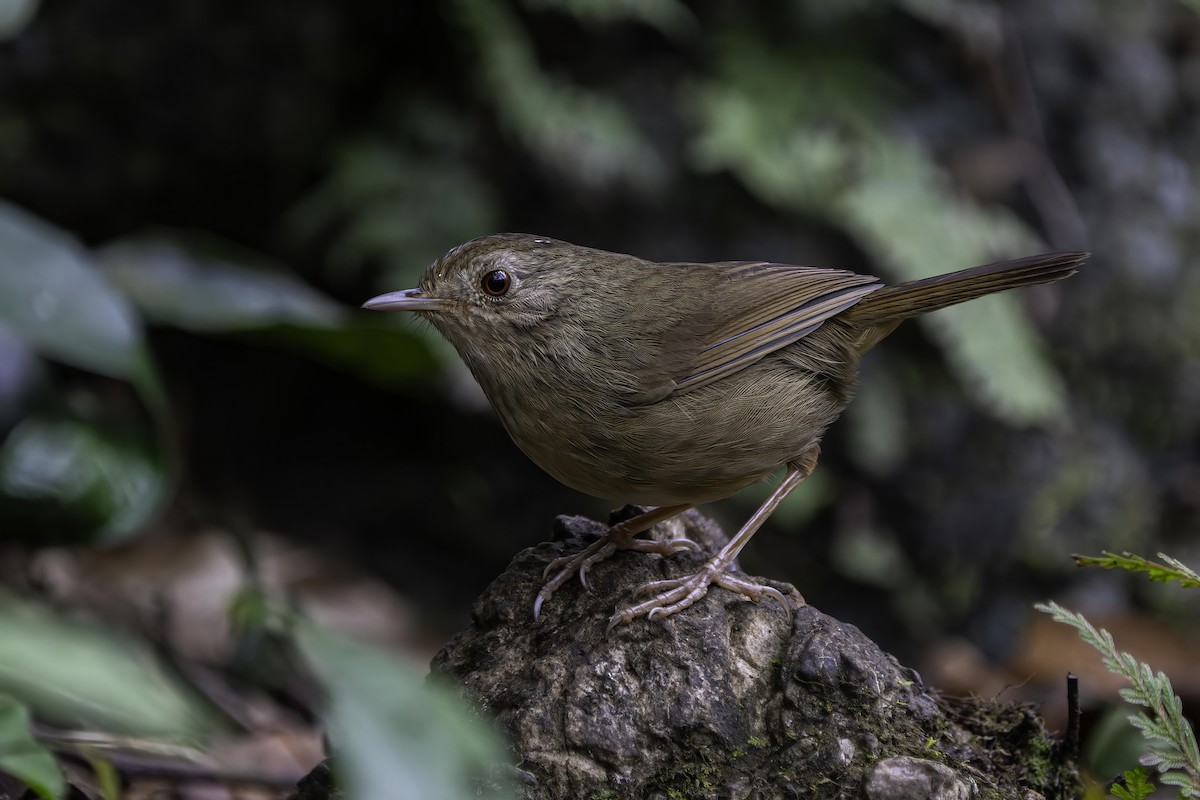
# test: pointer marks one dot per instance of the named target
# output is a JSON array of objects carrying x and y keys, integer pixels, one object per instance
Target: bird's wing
[{"x": 762, "y": 308}]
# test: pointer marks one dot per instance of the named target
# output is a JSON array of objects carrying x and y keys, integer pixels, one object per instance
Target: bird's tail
[
  {"x": 880, "y": 312},
  {"x": 895, "y": 303}
]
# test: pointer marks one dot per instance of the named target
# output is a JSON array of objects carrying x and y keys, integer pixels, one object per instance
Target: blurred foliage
[
  {"x": 1113, "y": 745},
  {"x": 584, "y": 136},
  {"x": 806, "y": 131},
  {"x": 72, "y": 470},
  {"x": 15, "y": 15},
  {"x": 394, "y": 734},
  {"x": 52, "y": 297},
  {"x": 671, "y": 17},
  {"x": 208, "y": 287},
  {"x": 77, "y": 480},
  {"x": 23, "y": 757},
  {"x": 394, "y": 202},
  {"x": 207, "y": 293},
  {"x": 78, "y": 676},
  {"x": 74, "y": 474}
]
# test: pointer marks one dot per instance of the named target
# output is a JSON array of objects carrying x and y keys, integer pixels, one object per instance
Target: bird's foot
[
  {"x": 619, "y": 537},
  {"x": 675, "y": 594}
]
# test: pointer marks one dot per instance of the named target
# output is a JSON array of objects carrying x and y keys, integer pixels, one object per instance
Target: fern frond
[
  {"x": 1175, "y": 570},
  {"x": 1171, "y": 742}
]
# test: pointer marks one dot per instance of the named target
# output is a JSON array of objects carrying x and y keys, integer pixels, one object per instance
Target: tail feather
[{"x": 891, "y": 304}]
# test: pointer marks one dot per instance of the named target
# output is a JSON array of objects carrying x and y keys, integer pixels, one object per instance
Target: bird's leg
[
  {"x": 619, "y": 537},
  {"x": 677, "y": 594}
]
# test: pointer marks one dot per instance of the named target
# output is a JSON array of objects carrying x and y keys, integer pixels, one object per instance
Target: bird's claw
[
  {"x": 675, "y": 594},
  {"x": 601, "y": 549}
]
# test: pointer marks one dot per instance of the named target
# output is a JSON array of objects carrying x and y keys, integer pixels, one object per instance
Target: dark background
[{"x": 341, "y": 147}]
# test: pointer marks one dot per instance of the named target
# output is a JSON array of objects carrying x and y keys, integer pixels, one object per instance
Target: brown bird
[{"x": 676, "y": 384}]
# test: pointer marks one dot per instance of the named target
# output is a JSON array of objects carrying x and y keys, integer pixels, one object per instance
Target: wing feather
[{"x": 769, "y": 306}]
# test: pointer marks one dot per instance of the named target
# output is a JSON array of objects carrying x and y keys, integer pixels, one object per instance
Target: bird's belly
[
  {"x": 690, "y": 448},
  {"x": 636, "y": 481}
]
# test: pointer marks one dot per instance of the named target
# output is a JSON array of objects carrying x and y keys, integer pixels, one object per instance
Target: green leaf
[
  {"x": 77, "y": 676},
  {"x": 670, "y": 17},
  {"x": 1135, "y": 785},
  {"x": 108, "y": 779},
  {"x": 788, "y": 123},
  {"x": 24, "y": 757},
  {"x": 1174, "y": 571},
  {"x": 578, "y": 133},
  {"x": 210, "y": 293},
  {"x": 904, "y": 211},
  {"x": 52, "y": 296},
  {"x": 368, "y": 209},
  {"x": 805, "y": 132},
  {"x": 63, "y": 480},
  {"x": 15, "y": 15},
  {"x": 395, "y": 735},
  {"x": 979, "y": 24},
  {"x": 1113, "y": 744}
]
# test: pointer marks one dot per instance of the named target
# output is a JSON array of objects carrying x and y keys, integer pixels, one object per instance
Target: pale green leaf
[
  {"x": 395, "y": 735},
  {"x": 62, "y": 480},
  {"x": 24, "y": 757},
  {"x": 980, "y": 23},
  {"x": 15, "y": 15},
  {"x": 907, "y": 215},
  {"x": 203, "y": 293},
  {"x": 52, "y": 296},
  {"x": 583, "y": 135},
  {"x": 82, "y": 677},
  {"x": 383, "y": 204},
  {"x": 670, "y": 17},
  {"x": 818, "y": 145}
]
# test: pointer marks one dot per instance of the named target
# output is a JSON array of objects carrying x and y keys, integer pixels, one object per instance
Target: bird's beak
[{"x": 406, "y": 300}]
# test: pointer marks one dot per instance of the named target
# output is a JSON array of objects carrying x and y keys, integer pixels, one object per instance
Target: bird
[{"x": 671, "y": 385}]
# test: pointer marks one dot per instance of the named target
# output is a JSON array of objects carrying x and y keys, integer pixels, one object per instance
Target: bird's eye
[{"x": 496, "y": 283}]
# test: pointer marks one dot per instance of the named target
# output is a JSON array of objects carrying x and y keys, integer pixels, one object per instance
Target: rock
[
  {"x": 908, "y": 778},
  {"x": 727, "y": 699}
]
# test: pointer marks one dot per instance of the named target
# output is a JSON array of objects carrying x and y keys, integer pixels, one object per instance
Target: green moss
[
  {"x": 1040, "y": 761},
  {"x": 691, "y": 781}
]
